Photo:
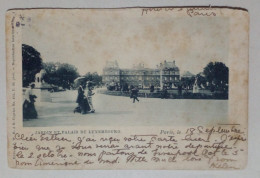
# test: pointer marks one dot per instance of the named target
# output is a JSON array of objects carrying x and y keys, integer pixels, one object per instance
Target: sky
[{"x": 89, "y": 38}]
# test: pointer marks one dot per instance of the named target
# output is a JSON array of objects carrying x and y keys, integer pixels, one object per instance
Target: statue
[
  {"x": 38, "y": 81},
  {"x": 42, "y": 88},
  {"x": 195, "y": 86}
]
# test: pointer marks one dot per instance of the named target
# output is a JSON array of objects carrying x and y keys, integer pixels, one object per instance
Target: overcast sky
[{"x": 88, "y": 38}]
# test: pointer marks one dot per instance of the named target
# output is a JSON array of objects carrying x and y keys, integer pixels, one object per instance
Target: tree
[
  {"x": 94, "y": 77},
  {"x": 187, "y": 82},
  {"x": 67, "y": 73},
  {"x": 60, "y": 74},
  {"x": 202, "y": 82},
  {"x": 216, "y": 74},
  {"x": 31, "y": 64},
  {"x": 51, "y": 73}
]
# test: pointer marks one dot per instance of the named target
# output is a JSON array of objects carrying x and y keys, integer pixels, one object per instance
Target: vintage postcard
[{"x": 127, "y": 88}]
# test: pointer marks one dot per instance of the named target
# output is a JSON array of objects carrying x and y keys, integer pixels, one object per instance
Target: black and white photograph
[
  {"x": 116, "y": 69},
  {"x": 129, "y": 88},
  {"x": 148, "y": 88}
]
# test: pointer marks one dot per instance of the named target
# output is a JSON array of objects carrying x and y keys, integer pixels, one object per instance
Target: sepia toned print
[{"x": 138, "y": 88}]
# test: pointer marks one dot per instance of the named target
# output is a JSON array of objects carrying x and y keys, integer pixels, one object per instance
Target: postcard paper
[{"x": 127, "y": 88}]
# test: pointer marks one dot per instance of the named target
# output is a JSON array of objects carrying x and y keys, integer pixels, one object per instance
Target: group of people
[
  {"x": 85, "y": 101},
  {"x": 29, "y": 111}
]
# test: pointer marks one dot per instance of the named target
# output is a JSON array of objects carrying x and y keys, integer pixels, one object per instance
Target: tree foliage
[
  {"x": 216, "y": 74},
  {"x": 201, "y": 81},
  {"x": 31, "y": 64},
  {"x": 94, "y": 77},
  {"x": 214, "y": 77},
  {"x": 60, "y": 74},
  {"x": 187, "y": 82}
]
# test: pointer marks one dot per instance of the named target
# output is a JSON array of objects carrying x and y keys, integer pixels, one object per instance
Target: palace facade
[{"x": 165, "y": 74}]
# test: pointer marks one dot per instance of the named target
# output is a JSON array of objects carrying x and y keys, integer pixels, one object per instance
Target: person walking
[
  {"x": 81, "y": 100},
  {"x": 134, "y": 94},
  {"x": 89, "y": 97}
]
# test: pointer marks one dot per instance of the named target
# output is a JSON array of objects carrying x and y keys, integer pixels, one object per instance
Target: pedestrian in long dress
[
  {"x": 81, "y": 100},
  {"x": 89, "y": 97},
  {"x": 29, "y": 111}
]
